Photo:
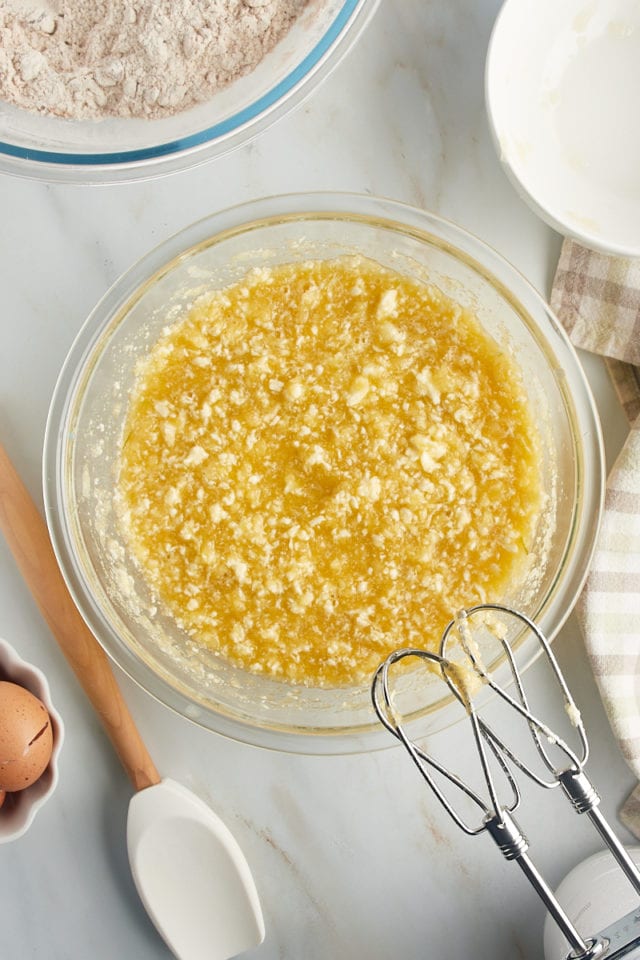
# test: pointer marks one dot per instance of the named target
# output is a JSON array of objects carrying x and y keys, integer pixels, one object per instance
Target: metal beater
[{"x": 466, "y": 679}]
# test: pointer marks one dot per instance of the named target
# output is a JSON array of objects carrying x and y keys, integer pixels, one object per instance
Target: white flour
[{"x": 131, "y": 58}]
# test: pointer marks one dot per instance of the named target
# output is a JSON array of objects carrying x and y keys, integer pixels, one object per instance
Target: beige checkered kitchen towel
[{"x": 597, "y": 298}]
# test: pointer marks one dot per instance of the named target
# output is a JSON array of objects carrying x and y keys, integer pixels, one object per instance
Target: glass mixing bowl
[
  {"x": 89, "y": 405},
  {"x": 103, "y": 151}
]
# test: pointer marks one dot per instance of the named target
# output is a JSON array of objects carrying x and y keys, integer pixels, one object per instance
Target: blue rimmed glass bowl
[{"x": 115, "y": 149}]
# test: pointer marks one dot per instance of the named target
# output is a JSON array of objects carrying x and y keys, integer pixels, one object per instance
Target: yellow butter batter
[{"x": 324, "y": 462}]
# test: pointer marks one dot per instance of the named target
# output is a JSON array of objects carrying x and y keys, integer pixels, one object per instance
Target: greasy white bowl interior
[
  {"x": 54, "y": 148},
  {"x": 561, "y": 88},
  {"x": 89, "y": 406}
]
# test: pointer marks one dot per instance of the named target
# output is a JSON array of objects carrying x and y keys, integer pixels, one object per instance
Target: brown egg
[{"x": 26, "y": 738}]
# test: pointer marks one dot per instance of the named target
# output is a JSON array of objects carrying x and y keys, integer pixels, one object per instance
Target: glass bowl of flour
[{"x": 137, "y": 88}]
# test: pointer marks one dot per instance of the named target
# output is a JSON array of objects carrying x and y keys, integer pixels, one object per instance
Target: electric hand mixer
[{"x": 466, "y": 679}]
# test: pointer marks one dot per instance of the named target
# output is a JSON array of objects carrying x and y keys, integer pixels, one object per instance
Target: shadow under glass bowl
[
  {"x": 36, "y": 146},
  {"x": 89, "y": 406}
]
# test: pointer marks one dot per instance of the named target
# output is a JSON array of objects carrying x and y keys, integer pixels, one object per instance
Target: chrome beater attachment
[{"x": 467, "y": 678}]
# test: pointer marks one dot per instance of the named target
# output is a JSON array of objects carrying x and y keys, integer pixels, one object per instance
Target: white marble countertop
[{"x": 352, "y": 856}]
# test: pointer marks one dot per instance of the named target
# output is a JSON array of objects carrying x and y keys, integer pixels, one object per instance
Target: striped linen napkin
[{"x": 597, "y": 299}]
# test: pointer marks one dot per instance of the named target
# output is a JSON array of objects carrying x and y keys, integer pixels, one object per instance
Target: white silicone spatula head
[
  {"x": 189, "y": 871},
  {"x": 191, "y": 875}
]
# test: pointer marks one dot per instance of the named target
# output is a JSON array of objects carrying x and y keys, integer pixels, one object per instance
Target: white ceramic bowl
[
  {"x": 52, "y": 148},
  {"x": 16, "y": 816},
  {"x": 562, "y": 83}
]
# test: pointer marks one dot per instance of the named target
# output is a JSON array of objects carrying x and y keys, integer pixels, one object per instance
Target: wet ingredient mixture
[{"x": 324, "y": 462}]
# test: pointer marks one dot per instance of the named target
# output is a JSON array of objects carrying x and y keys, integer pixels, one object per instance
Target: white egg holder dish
[{"x": 17, "y": 814}]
